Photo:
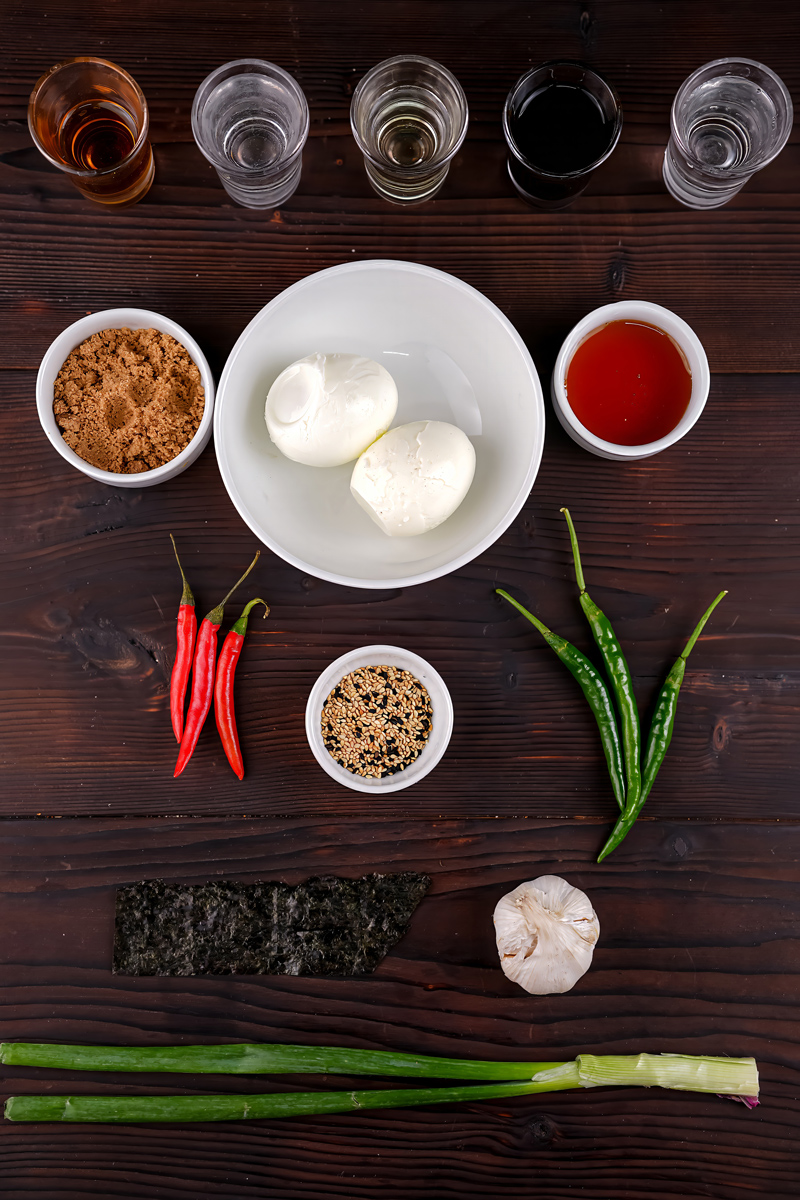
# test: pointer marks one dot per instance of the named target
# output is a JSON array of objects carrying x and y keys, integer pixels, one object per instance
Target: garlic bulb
[{"x": 546, "y": 934}]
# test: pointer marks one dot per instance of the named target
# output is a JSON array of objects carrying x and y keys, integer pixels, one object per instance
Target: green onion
[
  {"x": 260, "y": 1060},
  {"x": 237, "y": 1108},
  {"x": 735, "y": 1077}
]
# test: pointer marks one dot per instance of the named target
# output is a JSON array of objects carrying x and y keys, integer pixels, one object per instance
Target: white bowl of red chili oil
[{"x": 630, "y": 380}]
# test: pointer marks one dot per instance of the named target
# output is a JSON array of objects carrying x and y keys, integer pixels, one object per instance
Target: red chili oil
[{"x": 629, "y": 383}]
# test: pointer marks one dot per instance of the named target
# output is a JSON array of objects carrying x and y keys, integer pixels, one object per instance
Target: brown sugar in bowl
[{"x": 74, "y": 336}]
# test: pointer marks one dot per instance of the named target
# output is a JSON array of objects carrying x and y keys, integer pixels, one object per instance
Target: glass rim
[
  {"x": 219, "y": 161},
  {"x": 515, "y": 150},
  {"x": 432, "y": 164},
  {"x": 731, "y": 173},
  {"x": 65, "y": 167}
]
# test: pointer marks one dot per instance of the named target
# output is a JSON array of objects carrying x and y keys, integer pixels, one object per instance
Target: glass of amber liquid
[{"x": 90, "y": 119}]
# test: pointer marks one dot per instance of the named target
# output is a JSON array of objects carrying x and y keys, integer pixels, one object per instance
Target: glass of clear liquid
[
  {"x": 250, "y": 120},
  {"x": 729, "y": 119},
  {"x": 409, "y": 117}
]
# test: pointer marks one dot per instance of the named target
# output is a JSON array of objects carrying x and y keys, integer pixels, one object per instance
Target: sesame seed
[{"x": 376, "y": 721}]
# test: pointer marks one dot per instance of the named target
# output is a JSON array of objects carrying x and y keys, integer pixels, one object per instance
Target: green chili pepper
[
  {"x": 595, "y": 691},
  {"x": 618, "y": 673},
  {"x": 660, "y": 736}
]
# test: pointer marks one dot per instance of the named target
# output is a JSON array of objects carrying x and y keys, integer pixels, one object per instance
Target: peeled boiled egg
[
  {"x": 414, "y": 477},
  {"x": 324, "y": 410}
]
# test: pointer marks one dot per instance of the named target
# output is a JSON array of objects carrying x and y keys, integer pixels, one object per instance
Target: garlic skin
[{"x": 546, "y": 934}]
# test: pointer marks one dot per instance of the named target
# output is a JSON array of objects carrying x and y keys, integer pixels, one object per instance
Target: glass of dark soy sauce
[{"x": 561, "y": 120}]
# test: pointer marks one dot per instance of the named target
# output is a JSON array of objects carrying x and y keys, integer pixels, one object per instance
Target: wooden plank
[
  {"x": 188, "y": 252},
  {"x": 91, "y": 595},
  {"x": 697, "y": 954},
  {"x": 329, "y": 49}
]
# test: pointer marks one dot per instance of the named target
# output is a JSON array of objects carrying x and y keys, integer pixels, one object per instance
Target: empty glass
[
  {"x": 250, "y": 119},
  {"x": 409, "y": 117},
  {"x": 89, "y": 118},
  {"x": 729, "y": 119}
]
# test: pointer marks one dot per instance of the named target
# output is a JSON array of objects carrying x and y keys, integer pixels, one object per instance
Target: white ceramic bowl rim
[
  {"x": 525, "y": 486},
  {"x": 405, "y": 660},
  {"x": 121, "y": 318},
  {"x": 681, "y": 332}
]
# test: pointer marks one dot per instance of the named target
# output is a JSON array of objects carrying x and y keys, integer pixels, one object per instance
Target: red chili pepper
[
  {"x": 223, "y": 688},
  {"x": 203, "y": 676},
  {"x": 187, "y": 630}
]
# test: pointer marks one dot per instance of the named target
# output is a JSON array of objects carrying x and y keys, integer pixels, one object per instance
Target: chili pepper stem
[
  {"x": 240, "y": 626},
  {"x": 186, "y": 594},
  {"x": 576, "y": 554},
  {"x": 216, "y": 614},
  {"x": 701, "y": 624},
  {"x": 519, "y": 607}
]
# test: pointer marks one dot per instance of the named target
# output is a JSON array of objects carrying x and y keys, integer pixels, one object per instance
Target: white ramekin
[
  {"x": 121, "y": 318},
  {"x": 678, "y": 330},
  {"x": 404, "y": 660}
]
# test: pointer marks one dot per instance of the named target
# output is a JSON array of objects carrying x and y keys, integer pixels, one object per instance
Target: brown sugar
[{"x": 128, "y": 400}]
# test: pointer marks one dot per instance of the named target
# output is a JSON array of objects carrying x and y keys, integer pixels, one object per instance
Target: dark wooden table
[{"x": 699, "y": 910}]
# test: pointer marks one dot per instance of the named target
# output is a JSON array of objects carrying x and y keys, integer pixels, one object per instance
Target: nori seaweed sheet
[{"x": 325, "y": 926}]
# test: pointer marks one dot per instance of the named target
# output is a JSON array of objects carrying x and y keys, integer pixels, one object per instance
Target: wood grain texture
[
  {"x": 188, "y": 252},
  {"x": 697, "y": 954},
  {"x": 92, "y": 593}
]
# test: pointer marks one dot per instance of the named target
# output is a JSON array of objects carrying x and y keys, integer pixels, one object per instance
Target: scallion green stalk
[
  {"x": 237, "y": 1108},
  {"x": 261, "y": 1060}
]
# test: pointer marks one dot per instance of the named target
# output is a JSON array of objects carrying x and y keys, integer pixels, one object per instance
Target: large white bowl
[
  {"x": 441, "y": 724},
  {"x": 121, "y": 318},
  {"x": 455, "y": 358}
]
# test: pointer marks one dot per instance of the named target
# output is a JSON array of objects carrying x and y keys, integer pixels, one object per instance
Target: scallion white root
[{"x": 681, "y": 1072}]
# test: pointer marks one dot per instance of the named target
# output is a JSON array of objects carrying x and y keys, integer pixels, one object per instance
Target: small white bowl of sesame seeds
[{"x": 379, "y": 708}]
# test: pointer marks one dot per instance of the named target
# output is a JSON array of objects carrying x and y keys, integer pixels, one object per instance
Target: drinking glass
[
  {"x": 250, "y": 120},
  {"x": 729, "y": 119},
  {"x": 89, "y": 118},
  {"x": 409, "y": 117},
  {"x": 561, "y": 121}
]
